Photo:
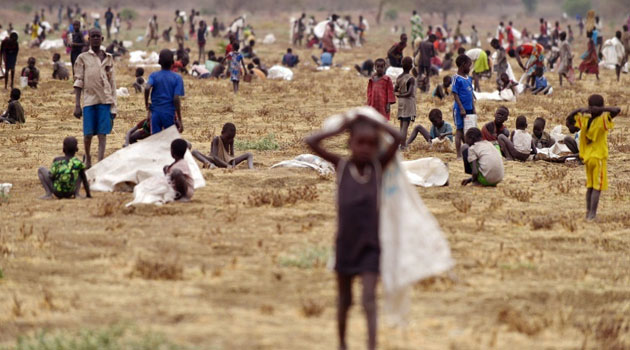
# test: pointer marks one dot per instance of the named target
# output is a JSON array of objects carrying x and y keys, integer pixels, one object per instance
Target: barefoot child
[
  {"x": 540, "y": 137},
  {"x": 59, "y": 68},
  {"x": 178, "y": 173},
  {"x": 357, "y": 241},
  {"x": 138, "y": 85},
  {"x": 481, "y": 160},
  {"x": 464, "y": 100},
  {"x": 8, "y": 55},
  {"x": 236, "y": 61},
  {"x": 520, "y": 144},
  {"x": 15, "y": 112},
  {"x": 439, "y": 128},
  {"x": 380, "y": 91},
  {"x": 541, "y": 85},
  {"x": 222, "y": 151},
  {"x": 66, "y": 174},
  {"x": 165, "y": 89},
  {"x": 593, "y": 146},
  {"x": 406, "y": 92},
  {"x": 441, "y": 91}
]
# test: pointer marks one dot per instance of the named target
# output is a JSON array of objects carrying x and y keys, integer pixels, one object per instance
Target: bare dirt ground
[{"x": 227, "y": 272}]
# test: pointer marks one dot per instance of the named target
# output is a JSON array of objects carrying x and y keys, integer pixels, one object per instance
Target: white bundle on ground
[
  {"x": 142, "y": 57},
  {"x": 307, "y": 161},
  {"x": 280, "y": 72},
  {"x": 122, "y": 92},
  {"x": 413, "y": 246},
  {"x": 5, "y": 188},
  {"x": 51, "y": 44},
  {"x": 127, "y": 44},
  {"x": 154, "y": 190},
  {"x": 426, "y": 172},
  {"x": 393, "y": 72},
  {"x": 504, "y": 96},
  {"x": 557, "y": 134},
  {"x": 269, "y": 39},
  {"x": 556, "y": 151},
  {"x": 139, "y": 161}
]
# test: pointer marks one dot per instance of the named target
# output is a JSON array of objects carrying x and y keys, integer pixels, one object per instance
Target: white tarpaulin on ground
[
  {"x": 279, "y": 72},
  {"x": 426, "y": 172},
  {"x": 139, "y": 161},
  {"x": 506, "y": 96},
  {"x": 307, "y": 161},
  {"x": 51, "y": 44},
  {"x": 413, "y": 246}
]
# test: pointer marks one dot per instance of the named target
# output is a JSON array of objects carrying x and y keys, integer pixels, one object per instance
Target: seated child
[
  {"x": 366, "y": 68},
  {"x": 32, "y": 73},
  {"x": 540, "y": 137},
  {"x": 572, "y": 143},
  {"x": 15, "y": 112},
  {"x": 289, "y": 59},
  {"x": 212, "y": 61},
  {"x": 219, "y": 69},
  {"x": 200, "y": 71},
  {"x": 504, "y": 82},
  {"x": 248, "y": 50},
  {"x": 481, "y": 160},
  {"x": 541, "y": 85},
  {"x": 439, "y": 128},
  {"x": 520, "y": 144},
  {"x": 138, "y": 85},
  {"x": 441, "y": 91},
  {"x": 261, "y": 67},
  {"x": 141, "y": 131},
  {"x": 66, "y": 174},
  {"x": 59, "y": 68},
  {"x": 447, "y": 64},
  {"x": 178, "y": 173},
  {"x": 493, "y": 129},
  {"x": 222, "y": 151},
  {"x": 325, "y": 59},
  {"x": 255, "y": 72}
]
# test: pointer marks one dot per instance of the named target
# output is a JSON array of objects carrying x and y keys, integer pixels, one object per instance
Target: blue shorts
[
  {"x": 97, "y": 120},
  {"x": 161, "y": 120}
]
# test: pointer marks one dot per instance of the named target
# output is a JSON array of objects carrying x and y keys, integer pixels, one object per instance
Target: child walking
[
  {"x": 357, "y": 241},
  {"x": 406, "y": 92},
  {"x": 236, "y": 61},
  {"x": 464, "y": 100},
  {"x": 380, "y": 91},
  {"x": 62, "y": 180},
  {"x": 594, "y": 124}
]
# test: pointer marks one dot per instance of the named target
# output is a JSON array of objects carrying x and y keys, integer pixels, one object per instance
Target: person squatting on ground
[{"x": 64, "y": 178}]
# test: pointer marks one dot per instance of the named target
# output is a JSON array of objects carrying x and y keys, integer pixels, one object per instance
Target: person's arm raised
[{"x": 314, "y": 142}]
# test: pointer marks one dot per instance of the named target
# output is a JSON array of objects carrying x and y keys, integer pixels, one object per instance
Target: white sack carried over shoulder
[
  {"x": 154, "y": 190},
  {"x": 393, "y": 72},
  {"x": 140, "y": 161},
  {"x": 307, "y": 161},
  {"x": 413, "y": 246},
  {"x": 613, "y": 52},
  {"x": 426, "y": 172},
  {"x": 279, "y": 72}
]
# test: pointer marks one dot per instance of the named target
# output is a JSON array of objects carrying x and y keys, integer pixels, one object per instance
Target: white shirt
[{"x": 522, "y": 141}]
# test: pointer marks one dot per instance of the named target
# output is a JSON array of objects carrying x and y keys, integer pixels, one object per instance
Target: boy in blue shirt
[
  {"x": 541, "y": 85},
  {"x": 165, "y": 89},
  {"x": 462, "y": 91},
  {"x": 289, "y": 59},
  {"x": 325, "y": 59}
]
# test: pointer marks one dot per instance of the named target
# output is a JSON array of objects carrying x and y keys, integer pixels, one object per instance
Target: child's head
[
  {"x": 403, "y": 38},
  {"x": 15, "y": 94},
  {"x": 178, "y": 148},
  {"x": 363, "y": 141},
  {"x": 432, "y": 38},
  {"x": 166, "y": 59},
  {"x": 195, "y": 63},
  {"x": 379, "y": 66},
  {"x": 495, "y": 44},
  {"x": 505, "y": 78},
  {"x": 539, "y": 126},
  {"x": 256, "y": 61},
  {"x": 563, "y": 36},
  {"x": 448, "y": 56},
  {"x": 473, "y": 135},
  {"x": 31, "y": 61},
  {"x": 446, "y": 81},
  {"x": 56, "y": 57},
  {"x": 463, "y": 63},
  {"x": 252, "y": 43},
  {"x": 407, "y": 64},
  {"x": 289, "y": 50},
  {"x": 236, "y": 46},
  {"x": 501, "y": 115},
  {"x": 435, "y": 117},
  {"x": 461, "y": 51},
  {"x": 139, "y": 72},
  {"x": 70, "y": 146},
  {"x": 211, "y": 55},
  {"x": 228, "y": 132},
  {"x": 539, "y": 71},
  {"x": 596, "y": 101},
  {"x": 618, "y": 35},
  {"x": 250, "y": 66},
  {"x": 521, "y": 122}
]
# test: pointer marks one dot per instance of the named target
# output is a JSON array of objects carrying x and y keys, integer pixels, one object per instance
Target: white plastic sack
[
  {"x": 557, "y": 134},
  {"x": 413, "y": 246},
  {"x": 140, "y": 161},
  {"x": 470, "y": 121},
  {"x": 394, "y": 72},
  {"x": 279, "y": 72},
  {"x": 127, "y": 44},
  {"x": 142, "y": 57},
  {"x": 320, "y": 29},
  {"x": 23, "y": 82},
  {"x": 3, "y": 34},
  {"x": 122, "y": 92},
  {"x": 556, "y": 151},
  {"x": 5, "y": 188},
  {"x": 307, "y": 161},
  {"x": 154, "y": 190},
  {"x": 613, "y": 52},
  {"x": 426, "y": 172},
  {"x": 505, "y": 96},
  {"x": 51, "y": 44},
  {"x": 269, "y": 39}
]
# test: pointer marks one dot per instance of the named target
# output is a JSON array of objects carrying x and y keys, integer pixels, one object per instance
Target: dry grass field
[{"x": 230, "y": 272}]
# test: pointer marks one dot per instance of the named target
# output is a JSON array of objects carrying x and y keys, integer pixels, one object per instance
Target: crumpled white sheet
[
  {"x": 5, "y": 188},
  {"x": 154, "y": 190},
  {"x": 556, "y": 151},
  {"x": 307, "y": 161},
  {"x": 142, "y": 57},
  {"x": 139, "y": 161},
  {"x": 612, "y": 52},
  {"x": 279, "y": 72},
  {"x": 504, "y": 96},
  {"x": 122, "y": 92},
  {"x": 269, "y": 39},
  {"x": 51, "y": 44},
  {"x": 426, "y": 172},
  {"x": 413, "y": 246},
  {"x": 393, "y": 72}
]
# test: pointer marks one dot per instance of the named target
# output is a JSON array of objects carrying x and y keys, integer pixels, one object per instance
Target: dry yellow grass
[{"x": 241, "y": 266}]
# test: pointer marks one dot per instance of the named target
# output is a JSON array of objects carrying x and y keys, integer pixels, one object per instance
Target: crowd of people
[{"x": 436, "y": 49}]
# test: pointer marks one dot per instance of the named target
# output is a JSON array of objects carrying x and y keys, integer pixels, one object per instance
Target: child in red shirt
[{"x": 380, "y": 91}]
